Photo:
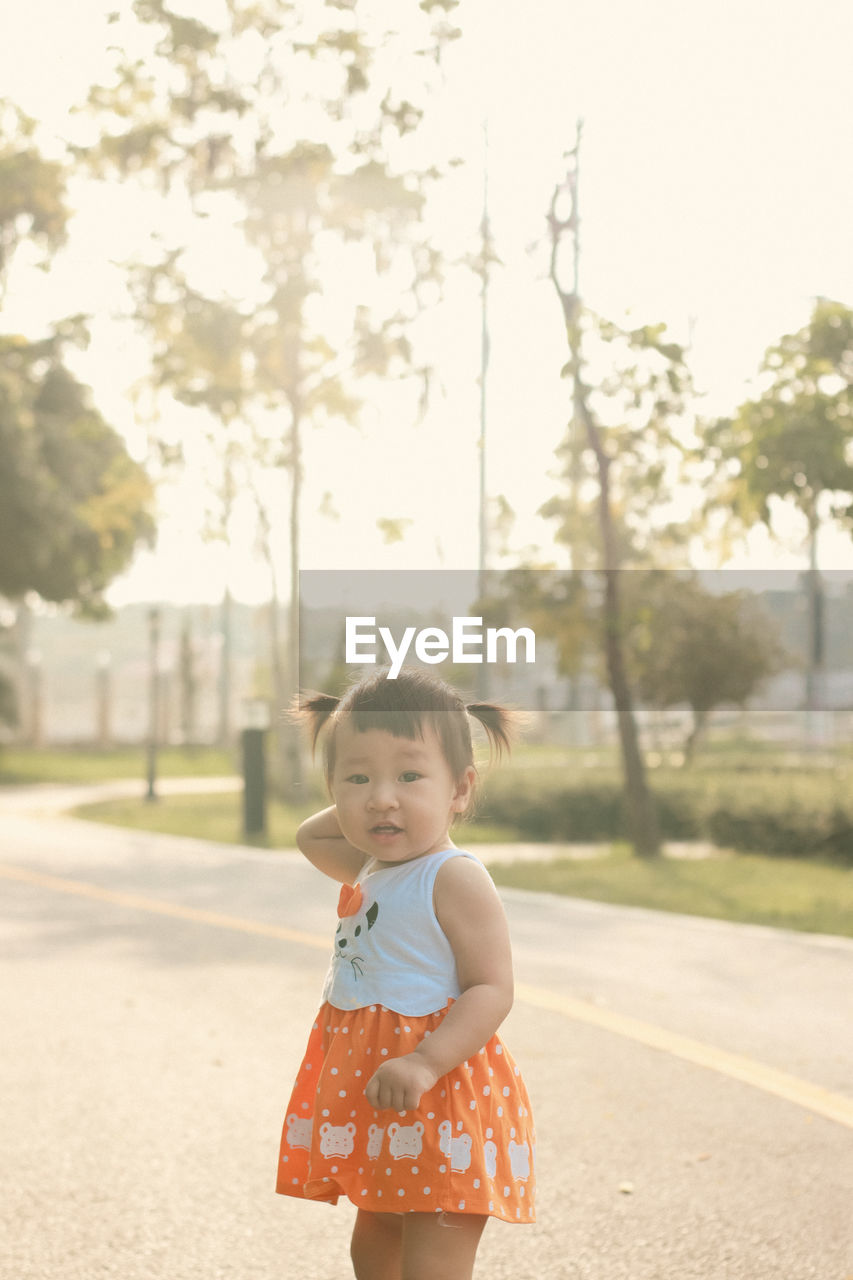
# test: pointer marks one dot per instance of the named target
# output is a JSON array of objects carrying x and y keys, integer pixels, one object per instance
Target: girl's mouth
[{"x": 385, "y": 829}]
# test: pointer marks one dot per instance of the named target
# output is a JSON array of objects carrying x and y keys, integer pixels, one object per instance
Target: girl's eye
[
  {"x": 358, "y": 778},
  {"x": 410, "y": 776}
]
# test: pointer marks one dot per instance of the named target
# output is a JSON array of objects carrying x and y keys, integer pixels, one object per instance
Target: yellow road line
[
  {"x": 825, "y": 1103},
  {"x": 811, "y": 1097},
  {"x": 83, "y": 889}
]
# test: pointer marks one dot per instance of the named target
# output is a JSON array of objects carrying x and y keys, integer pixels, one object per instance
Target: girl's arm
[
  {"x": 320, "y": 839},
  {"x": 470, "y": 913}
]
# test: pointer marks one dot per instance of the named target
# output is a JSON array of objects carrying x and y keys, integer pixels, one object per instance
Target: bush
[
  {"x": 798, "y": 830},
  {"x": 800, "y": 817}
]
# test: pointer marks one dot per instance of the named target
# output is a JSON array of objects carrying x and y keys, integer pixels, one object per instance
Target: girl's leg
[
  {"x": 440, "y": 1246},
  {"x": 376, "y": 1246}
]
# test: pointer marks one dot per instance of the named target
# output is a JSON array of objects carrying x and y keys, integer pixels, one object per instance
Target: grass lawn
[
  {"x": 785, "y": 892},
  {"x": 20, "y": 765},
  {"x": 207, "y": 817},
  {"x": 790, "y": 893},
  {"x": 219, "y": 818}
]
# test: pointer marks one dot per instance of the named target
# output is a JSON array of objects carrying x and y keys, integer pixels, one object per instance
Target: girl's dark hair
[{"x": 402, "y": 707}]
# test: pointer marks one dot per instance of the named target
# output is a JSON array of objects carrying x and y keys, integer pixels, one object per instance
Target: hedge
[{"x": 771, "y": 814}]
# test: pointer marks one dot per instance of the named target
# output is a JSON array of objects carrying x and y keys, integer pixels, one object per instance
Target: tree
[
  {"x": 793, "y": 444},
  {"x": 8, "y": 697},
  {"x": 628, "y": 430},
  {"x": 32, "y": 192},
  {"x": 73, "y": 504},
  {"x": 690, "y": 646},
  {"x": 304, "y": 139}
]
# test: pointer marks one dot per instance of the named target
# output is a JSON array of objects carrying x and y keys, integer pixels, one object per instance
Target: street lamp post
[
  {"x": 256, "y": 722},
  {"x": 35, "y": 697},
  {"x": 153, "y": 699},
  {"x": 103, "y": 699}
]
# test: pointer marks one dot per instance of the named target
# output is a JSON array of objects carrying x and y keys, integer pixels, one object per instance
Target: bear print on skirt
[{"x": 468, "y": 1147}]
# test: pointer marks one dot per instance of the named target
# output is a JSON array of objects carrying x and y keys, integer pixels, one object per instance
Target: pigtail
[
  {"x": 314, "y": 710},
  {"x": 501, "y": 725}
]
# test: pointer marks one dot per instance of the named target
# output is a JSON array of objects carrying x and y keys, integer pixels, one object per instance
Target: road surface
[{"x": 692, "y": 1080}]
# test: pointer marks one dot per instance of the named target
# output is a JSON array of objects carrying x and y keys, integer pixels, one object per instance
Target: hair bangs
[{"x": 400, "y": 722}]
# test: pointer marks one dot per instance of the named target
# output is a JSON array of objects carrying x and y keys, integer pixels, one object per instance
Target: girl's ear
[{"x": 464, "y": 790}]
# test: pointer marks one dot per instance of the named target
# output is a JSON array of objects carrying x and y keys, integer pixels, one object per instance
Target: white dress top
[{"x": 393, "y": 951}]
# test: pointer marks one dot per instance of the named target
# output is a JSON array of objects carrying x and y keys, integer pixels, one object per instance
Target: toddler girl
[{"x": 407, "y": 1101}]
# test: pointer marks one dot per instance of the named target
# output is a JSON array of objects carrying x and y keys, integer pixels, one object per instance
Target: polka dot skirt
[{"x": 467, "y": 1148}]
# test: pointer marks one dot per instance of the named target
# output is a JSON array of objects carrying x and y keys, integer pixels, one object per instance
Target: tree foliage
[
  {"x": 794, "y": 441},
  {"x": 32, "y": 191},
  {"x": 792, "y": 445},
  {"x": 292, "y": 123},
  {"x": 637, "y": 395},
  {"x": 73, "y": 504},
  {"x": 689, "y": 646},
  {"x": 558, "y": 607}
]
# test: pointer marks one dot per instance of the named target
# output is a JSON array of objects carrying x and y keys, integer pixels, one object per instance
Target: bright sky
[{"x": 715, "y": 191}]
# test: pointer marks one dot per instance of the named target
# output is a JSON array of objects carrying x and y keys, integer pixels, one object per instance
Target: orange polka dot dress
[{"x": 469, "y": 1145}]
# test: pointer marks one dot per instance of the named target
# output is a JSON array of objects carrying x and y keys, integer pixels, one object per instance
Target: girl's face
[{"x": 396, "y": 797}]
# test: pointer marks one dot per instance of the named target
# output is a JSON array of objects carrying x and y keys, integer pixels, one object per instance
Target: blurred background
[{"x": 560, "y": 299}]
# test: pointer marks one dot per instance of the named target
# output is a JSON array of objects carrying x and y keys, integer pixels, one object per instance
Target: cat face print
[{"x": 349, "y": 937}]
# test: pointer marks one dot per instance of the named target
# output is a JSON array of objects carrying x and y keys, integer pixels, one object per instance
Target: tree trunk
[
  {"x": 639, "y": 803},
  {"x": 290, "y": 738},
  {"x": 642, "y": 818},
  {"x": 278, "y": 688},
  {"x": 700, "y": 719},
  {"x": 815, "y": 657},
  {"x": 224, "y": 677},
  {"x": 226, "y": 619}
]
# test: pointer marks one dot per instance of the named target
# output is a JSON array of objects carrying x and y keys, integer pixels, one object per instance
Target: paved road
[{"x": 155, "y": 994}]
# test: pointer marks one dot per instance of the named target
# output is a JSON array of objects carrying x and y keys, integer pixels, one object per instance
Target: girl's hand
[{"x": 400, "y": 1083}]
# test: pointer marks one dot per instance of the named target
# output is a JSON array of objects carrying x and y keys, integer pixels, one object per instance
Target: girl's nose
[{"x": 382, "y": 796}]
